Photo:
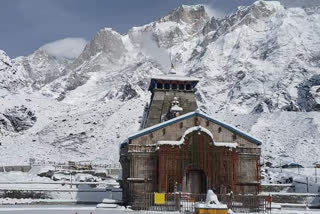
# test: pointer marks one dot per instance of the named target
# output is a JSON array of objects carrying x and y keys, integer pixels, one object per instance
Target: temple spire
[{"x": 172, "y": 69}]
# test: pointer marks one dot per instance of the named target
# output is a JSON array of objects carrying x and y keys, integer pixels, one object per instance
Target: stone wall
[
  {"x": 142, "y": 153},
  {"x": 277, "y": 188},
  {"x": 175, "y": 131},
  {"x": 139, "y": 175},
  {"x": 25, "y": 168}
]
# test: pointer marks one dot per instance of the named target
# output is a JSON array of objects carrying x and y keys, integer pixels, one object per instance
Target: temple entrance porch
[{"x": 196, "y": 165}]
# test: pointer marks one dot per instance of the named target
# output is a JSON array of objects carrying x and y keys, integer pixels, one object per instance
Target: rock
[
  {"x": 20, "y": 117},
  {"x": 47, "y": 174},
  {"x": 11, "y": 78},
  {"x": 101, "y": 174},
  {"x": 41, "y": 67},
  {"x": 128, "y": 92},
  {"x": 308, "y": 94}
]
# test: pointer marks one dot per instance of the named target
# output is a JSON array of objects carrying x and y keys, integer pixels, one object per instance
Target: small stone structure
[{"x": 181, "y": 149}]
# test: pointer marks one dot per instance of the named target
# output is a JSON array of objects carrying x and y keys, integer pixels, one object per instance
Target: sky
[{"x": 26, "y": 25}]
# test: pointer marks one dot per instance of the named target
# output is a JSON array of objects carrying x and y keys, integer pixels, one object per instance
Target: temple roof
[
  {"x": 189, "y": 115},
  {"x": 172, "y": 78},
  {"x": 175, "y": 77},
  {"x": 176, "y": 108}
]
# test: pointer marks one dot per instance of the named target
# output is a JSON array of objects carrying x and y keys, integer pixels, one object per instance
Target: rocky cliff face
[
  {"x": 11, "y": 78},
  {"x": 262, "y": 55},
  {"x": 17, "y": 119},
  {"x": 259, "y": 71},
  {"x": 41, "y": 67}
]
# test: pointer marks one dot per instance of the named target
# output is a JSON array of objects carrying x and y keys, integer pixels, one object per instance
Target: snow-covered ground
[
  {"x": 57, "y": 186},
  {"x": 93, "y": 210},
  {"x": 278, "y": 175},
  {"x": 66, "y": 132},
  {"x": 62, "y": 210}
]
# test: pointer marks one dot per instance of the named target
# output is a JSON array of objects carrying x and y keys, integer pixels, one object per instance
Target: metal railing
[
  {"x": 141, "y": 148},
  {"x": 244, "y": 203},
  {"x": 185, "y": 202},
  {"x": 246, "y": 150},
  {"x": 71, "y": 164}
]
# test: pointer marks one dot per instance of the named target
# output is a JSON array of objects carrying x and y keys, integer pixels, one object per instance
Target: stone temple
[{"x": 181, "y": 149}]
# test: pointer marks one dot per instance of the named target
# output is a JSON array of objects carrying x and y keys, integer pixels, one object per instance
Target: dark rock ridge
[
  {"x": 306, "y": 101},
  {"x": 19, "y": 119}
]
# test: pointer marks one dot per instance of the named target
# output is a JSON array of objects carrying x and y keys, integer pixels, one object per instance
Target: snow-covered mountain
[
  {"x": 11, "y": 78},
  {"x": 41, "y": 67},
  {"x": 259, "y": 70}
]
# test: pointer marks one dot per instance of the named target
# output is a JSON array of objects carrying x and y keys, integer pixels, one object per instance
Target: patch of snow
[
  {"x": 176, "y": 108},
  {"x": 188, "y": 131},
  {"x": 226, "y": 144},
  {"x": 212, "y": 202},
  {"x": 175, "y": 77}
]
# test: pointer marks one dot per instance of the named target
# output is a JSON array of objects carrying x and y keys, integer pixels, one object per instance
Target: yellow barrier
[
  {"x": 211, "y": 211},
  {"x": 159, "y": 198}
]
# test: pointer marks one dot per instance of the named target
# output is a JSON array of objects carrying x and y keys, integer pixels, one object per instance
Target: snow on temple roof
[
  {"x": 176, "y": 108},
  {"x": 192, "y": 114},
  {"x": 168, "y": 142},
  {"x": 226, "y": 144},
  {"x": 175, "y": 77},
  {"x": 181, "y": 141},
  {"x": 188, "y": 131}
]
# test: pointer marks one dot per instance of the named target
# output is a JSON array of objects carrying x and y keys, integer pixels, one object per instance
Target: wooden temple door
[
  {"x": 198, "y": 161},
  {"x": 196, "y": 182}
]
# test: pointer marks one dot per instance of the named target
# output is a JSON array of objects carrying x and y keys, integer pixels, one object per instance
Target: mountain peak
[
  {"x": 245, "y": 15},
  {"x": 108, "y": 30},
  {"x": 4, "y": 60},
  {"x": 10, "y": 78},
  {"x": 267, "y": 5},
  {"x": 187, "y": 14},
  {"x": 41, "y": 67},
  {"x": 106, "y": 40},
  {"x": 190, "y": 8},
  {"x": 260, "y": 9}
]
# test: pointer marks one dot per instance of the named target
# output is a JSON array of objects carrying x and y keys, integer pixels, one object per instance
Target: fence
[
  {"x": 310, "y": 173},
  {"x": 69, "y": 164},
  {"x": 245, "y": 203},
  {"x": 185, "y": 202},
  {"x": 60, "y": 195},
  {"x": 20, "y": 168}
]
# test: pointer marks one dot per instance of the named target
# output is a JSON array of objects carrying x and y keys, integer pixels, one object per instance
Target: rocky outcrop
[
  {"x": 11, "y": 78},
  {"x": 41, "y": 67},
  {"x": 308, "y": 94},
  {"x": 17, "y": 119}
]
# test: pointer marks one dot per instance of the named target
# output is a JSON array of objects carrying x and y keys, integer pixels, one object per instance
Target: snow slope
[{"x": 258, "y": 69}]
